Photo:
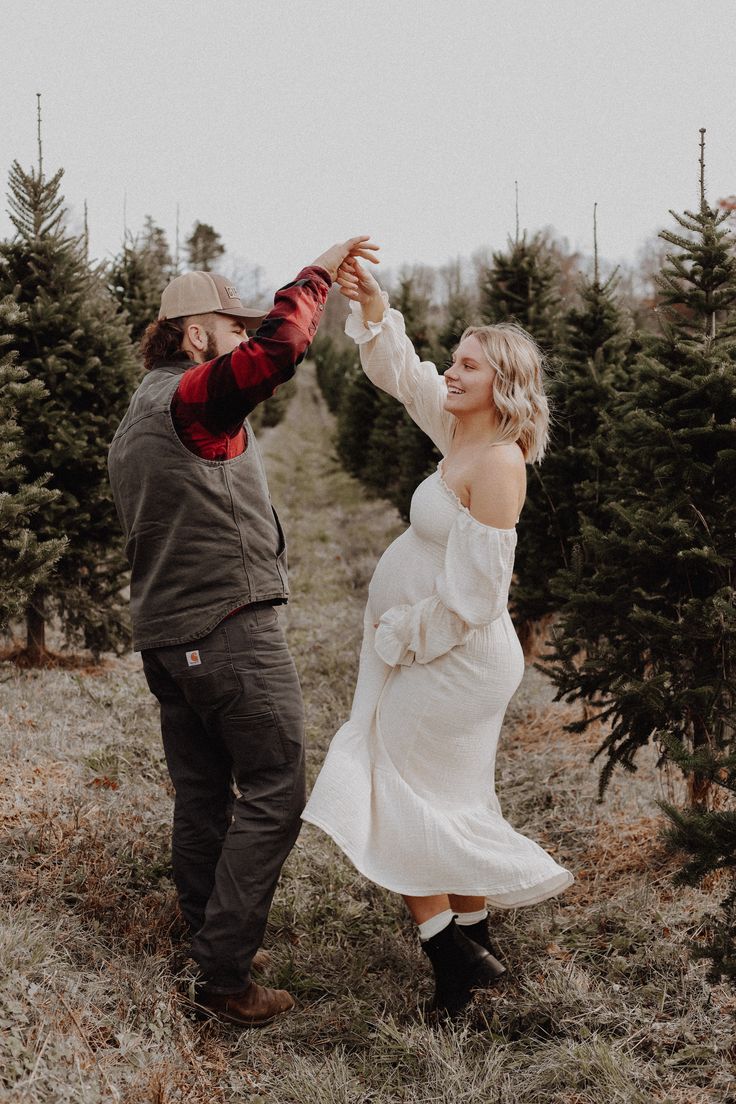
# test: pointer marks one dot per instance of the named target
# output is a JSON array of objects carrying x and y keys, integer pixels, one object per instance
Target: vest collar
[{"x": 175, "y": 367}]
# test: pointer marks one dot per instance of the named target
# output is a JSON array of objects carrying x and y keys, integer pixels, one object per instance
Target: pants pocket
[
  {"x": 254, "y": 740},
  {"x": 212, "y": 692}
]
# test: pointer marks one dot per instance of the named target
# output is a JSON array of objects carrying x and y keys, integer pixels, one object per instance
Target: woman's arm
[{"x": 388, "y": 357}]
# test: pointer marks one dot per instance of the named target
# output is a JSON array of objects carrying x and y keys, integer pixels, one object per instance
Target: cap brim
[{"x": 252, "y": 317}]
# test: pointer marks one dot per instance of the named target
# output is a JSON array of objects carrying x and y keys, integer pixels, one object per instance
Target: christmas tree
[
  {"x": 520, "y": 286},
  {"x": 593, "y": 352},
  {"x": 139, "y": 274},
  {"x": 652, "y": 607},
  {"x": 359, "y": 405},
  {"x": 708, "y": 836},
  {"x": 71, "y": 338},
  {"x": 25, "y": 561}
]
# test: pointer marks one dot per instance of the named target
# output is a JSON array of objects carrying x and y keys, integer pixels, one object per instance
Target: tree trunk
[
  {"x": 36, "y": 632},
  {"x": 699, "y": 786}
]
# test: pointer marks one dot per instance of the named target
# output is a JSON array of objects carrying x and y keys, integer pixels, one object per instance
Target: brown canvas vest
[{"x": 202, "y": 537}]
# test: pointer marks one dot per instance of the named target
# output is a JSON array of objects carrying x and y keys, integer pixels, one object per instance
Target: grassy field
[{"x": 603, "y": 1004}]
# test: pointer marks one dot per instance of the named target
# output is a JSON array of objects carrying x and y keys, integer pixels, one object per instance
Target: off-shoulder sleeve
[
  {"x": 390, "y": 361},
  {"x": 472, "y": 591}
]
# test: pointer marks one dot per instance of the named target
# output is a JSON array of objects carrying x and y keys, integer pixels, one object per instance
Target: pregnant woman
[{"x": 407, "y": 788}]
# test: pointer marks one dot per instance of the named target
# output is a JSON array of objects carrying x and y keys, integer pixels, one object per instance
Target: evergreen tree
[
  {"x": 25, "y": 561},
  {"x": 568, "y": 484},
  {"x": 359, "y": 404},
  {"x": 73, "y": 340},
  {"x": 336, "y": 359},
  {"x": 137, "y": 278},
  {"x": 204, "y": 247},
  {"x": 155, "y": 244},
  {"x": 652, "y": 609},
  {"x": 520, "y": 286},
  {"x": 708, "y": 836}
]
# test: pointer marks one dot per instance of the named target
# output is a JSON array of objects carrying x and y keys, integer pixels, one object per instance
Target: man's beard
[{"x": 210, "y": 351}]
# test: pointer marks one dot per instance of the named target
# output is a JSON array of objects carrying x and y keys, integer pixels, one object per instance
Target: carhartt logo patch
[
  {"x": 232, "y": 292},
  {"x": 194, "y": 659}
]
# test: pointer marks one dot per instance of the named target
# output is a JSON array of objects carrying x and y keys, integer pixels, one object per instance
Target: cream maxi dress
[{"x": 407, "y": 788}]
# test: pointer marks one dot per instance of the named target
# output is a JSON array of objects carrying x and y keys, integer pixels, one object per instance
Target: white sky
[{"x": 290, "y": 125}]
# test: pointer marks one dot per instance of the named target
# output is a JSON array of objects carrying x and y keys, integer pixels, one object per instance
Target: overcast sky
[{"x": 290, "y": 125}]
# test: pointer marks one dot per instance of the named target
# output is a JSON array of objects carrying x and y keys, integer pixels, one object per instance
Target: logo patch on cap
[
  {"x": 194, "y": 659},
  {"x": 232, "y": 292}
]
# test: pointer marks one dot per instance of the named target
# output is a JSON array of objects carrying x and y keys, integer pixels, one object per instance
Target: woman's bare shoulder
[
  {"x": 502, "y": 462},
  {"x": 498, "y": 485}
]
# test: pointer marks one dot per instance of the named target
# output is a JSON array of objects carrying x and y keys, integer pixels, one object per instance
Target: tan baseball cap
[{"x": 206, "y": 293}]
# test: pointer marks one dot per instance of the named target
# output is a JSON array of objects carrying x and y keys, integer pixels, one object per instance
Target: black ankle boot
[
  {"x": 480, "y": 934},
  {"x": 460, "y": 966}
]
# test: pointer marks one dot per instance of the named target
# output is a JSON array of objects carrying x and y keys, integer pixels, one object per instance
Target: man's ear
[{"x": 195, "y": 335}]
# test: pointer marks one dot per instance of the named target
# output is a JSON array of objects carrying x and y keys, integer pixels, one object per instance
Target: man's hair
[{"x": 161, "y": 342}]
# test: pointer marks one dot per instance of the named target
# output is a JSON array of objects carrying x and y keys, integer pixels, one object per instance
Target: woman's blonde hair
[{"x": 518, "y": 386}]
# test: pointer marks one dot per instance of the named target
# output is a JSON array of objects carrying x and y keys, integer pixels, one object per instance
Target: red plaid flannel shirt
[{"x": 212, "y": 399}]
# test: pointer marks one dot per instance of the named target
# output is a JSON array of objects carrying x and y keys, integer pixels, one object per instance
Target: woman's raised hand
[{"x": 358, "y": 284}]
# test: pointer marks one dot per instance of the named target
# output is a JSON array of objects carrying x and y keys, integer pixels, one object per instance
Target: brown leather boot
[{"x": 254, "y": 1007}]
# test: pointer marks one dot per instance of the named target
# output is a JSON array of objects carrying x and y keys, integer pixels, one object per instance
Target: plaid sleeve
[{"x": 212, "y": 399}]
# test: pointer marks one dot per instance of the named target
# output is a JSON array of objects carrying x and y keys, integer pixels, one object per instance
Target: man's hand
[
  {"x": 359, "y": 284},
  {"x": 334, "y": 257}
]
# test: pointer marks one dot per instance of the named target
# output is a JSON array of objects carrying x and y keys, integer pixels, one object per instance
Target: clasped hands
[{"x": 355, "y": 282}]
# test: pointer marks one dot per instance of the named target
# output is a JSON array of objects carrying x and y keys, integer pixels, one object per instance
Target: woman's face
[{"x": 469, "y": 379}]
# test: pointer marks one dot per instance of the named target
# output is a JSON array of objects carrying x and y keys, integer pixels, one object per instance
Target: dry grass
[{"x": 604, "y": 1004}]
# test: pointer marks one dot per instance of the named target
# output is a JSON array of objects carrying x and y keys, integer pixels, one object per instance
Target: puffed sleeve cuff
[
  {"x": 418, "y": 633},
  {"x": 392, "y": 637},
  {"x": 360, "y": 330}
]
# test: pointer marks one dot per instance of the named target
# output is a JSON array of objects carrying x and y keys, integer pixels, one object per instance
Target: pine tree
[
  {"x": 73, "y": 340},
  {"x": 653, "y": 606},
  {"x": 359, "y": 404},
  {"x": 155, "y": 244},
  {"x": 593, "y": 354},
  {"x": 139, "y": 274},
  {"x": 336, "y": 359},
  {"x": 520, "y": 286},
  {"x": 204, "y": 247},
  {"x": 708, "y": 836},
  {"x": 25, "y": 562}
]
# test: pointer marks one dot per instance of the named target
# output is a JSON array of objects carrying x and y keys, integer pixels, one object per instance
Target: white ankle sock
[
  {"x": 435, "y": 924},
  {"x": 467, "y": 918}
]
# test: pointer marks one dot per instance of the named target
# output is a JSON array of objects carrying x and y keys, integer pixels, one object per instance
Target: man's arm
[{"x": 213, "y": 398}]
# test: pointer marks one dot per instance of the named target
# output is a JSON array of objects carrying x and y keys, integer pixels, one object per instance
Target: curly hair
[
  {"x": 518, "y": 385},
  {"x": 161, "y": 342}
]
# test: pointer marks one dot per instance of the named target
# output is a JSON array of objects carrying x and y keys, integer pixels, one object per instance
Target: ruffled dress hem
[{"x": 518, "y": 896}]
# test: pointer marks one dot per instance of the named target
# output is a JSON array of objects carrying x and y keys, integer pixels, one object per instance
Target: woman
[{"x": 407, "y": 788}]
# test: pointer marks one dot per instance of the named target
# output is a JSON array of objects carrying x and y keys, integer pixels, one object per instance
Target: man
[{"x": 208, "y": 564}]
